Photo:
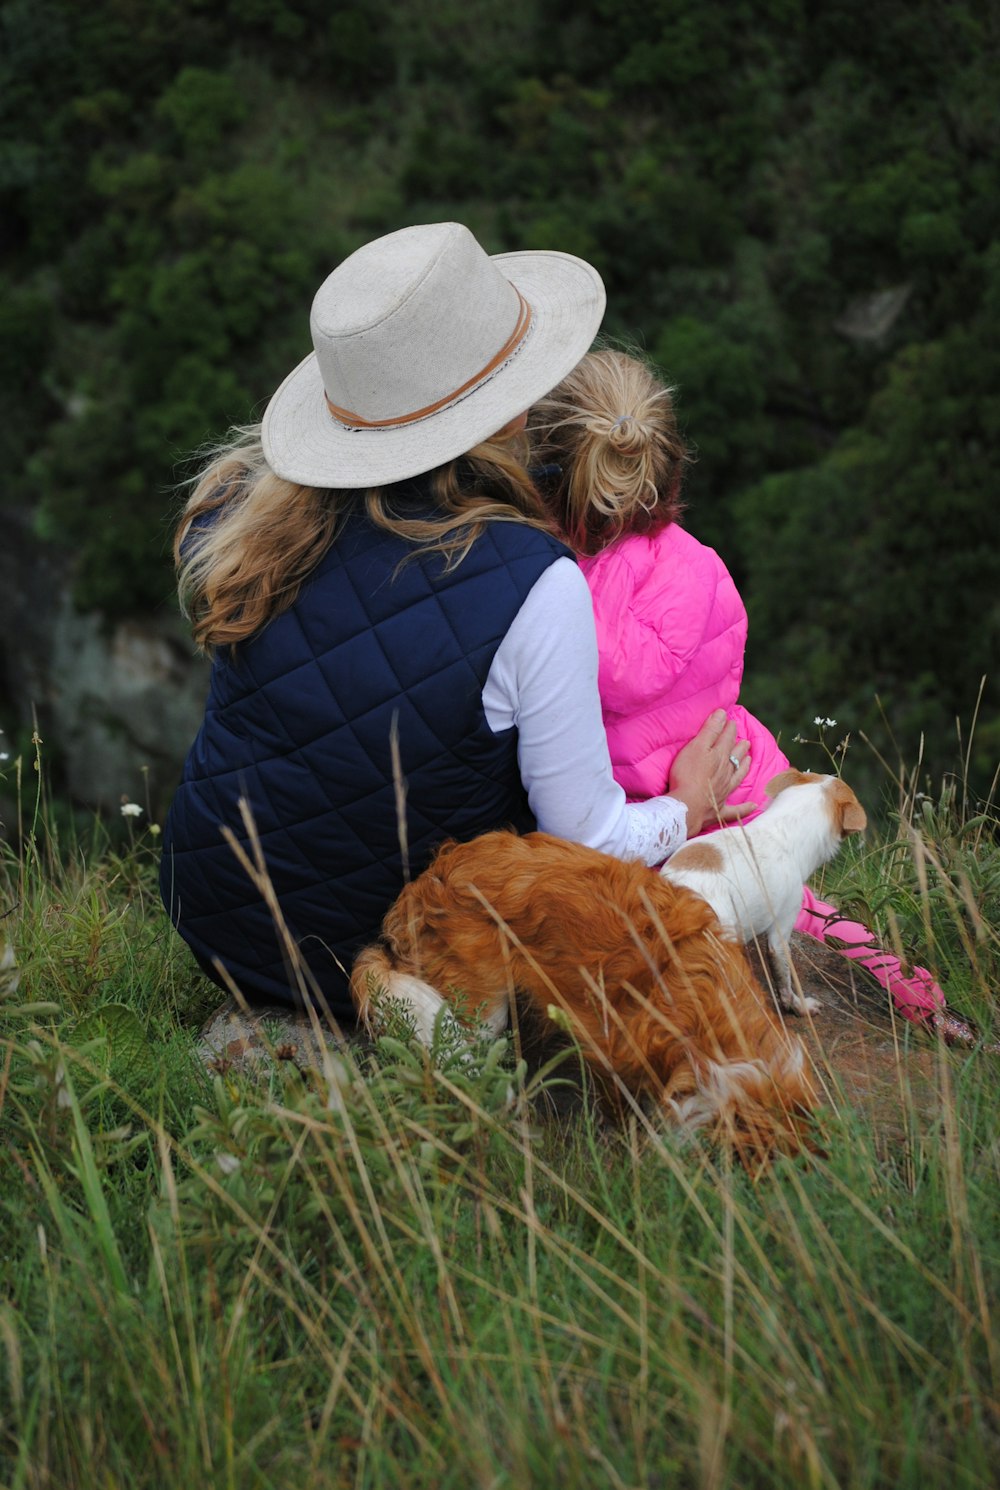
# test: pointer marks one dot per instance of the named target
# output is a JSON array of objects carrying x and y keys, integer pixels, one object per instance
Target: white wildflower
[
  {"x": 824, "y": 723},
  {"x": 63, "y": 1096},
  {"x": 228, "y": 1163},
  {"x": 131, "y": 809}
]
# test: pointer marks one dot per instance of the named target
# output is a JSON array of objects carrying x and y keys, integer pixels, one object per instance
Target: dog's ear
[
  {"x": 850, "y": 815},
  {"x": 789, "y": 777}
]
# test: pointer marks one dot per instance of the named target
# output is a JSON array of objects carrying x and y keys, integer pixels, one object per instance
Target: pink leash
[{"x": 915, "y": 995}]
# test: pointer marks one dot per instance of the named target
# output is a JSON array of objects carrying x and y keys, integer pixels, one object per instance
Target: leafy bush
[{"x": 177, "y": 179}]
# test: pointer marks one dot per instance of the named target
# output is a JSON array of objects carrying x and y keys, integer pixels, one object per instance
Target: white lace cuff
[{"x": 654, "y": 829}]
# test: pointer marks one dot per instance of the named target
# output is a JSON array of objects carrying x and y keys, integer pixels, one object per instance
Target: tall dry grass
[{"x": 404, "y": 1267}]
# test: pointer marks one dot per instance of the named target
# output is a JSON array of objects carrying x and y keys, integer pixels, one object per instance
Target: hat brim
[{"x": 303, "y": 442}]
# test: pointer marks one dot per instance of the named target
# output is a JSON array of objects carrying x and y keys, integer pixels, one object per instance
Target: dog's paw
[{"x": 794, "y": 1003}]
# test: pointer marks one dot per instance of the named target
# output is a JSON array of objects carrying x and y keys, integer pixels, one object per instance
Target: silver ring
[{"x": 734, "y": 761}]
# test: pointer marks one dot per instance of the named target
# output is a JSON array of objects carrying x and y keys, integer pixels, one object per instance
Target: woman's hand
[{"x": 707, "y": 771}]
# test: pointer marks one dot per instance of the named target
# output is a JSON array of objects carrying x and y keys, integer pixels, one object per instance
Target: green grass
[{"x": 406, "y": 1271}]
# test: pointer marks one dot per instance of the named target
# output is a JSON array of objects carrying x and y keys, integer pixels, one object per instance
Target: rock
[
  {"x": 116, "y": 706},
  {"x": 125, "y": 704},
  {"x": 870, "y": 318},
  {"x": 248, "y": 1041}
]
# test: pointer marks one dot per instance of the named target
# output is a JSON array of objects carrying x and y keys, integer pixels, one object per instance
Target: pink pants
[{"x": 915, "y": 995}]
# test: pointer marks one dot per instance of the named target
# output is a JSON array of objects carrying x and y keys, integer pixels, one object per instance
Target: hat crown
[{"x": 410, "y": 320}]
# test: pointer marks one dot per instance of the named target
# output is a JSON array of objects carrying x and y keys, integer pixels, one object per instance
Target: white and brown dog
[
  {"x": 753, "y": 875},
  {"x": 661, "y": 1003}
]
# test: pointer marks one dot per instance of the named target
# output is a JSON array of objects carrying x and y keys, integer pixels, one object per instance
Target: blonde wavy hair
[
  {"x": 248, "y": 539},
  {"x": 610, "y": 426}
]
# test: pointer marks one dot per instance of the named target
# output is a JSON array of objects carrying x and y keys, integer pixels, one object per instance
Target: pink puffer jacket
[{"x": 671, "y": 632}]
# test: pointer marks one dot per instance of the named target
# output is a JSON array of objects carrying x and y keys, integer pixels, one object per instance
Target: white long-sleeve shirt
[{"x": 544, "y": 680}]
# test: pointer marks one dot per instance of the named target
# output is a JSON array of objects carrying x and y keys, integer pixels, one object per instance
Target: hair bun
[{"x": 626, "y": 434}]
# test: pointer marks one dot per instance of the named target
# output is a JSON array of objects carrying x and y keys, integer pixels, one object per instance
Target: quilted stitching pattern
[
  {"x": 299, "y": 724},
  {"x": 671, "y": 633}
]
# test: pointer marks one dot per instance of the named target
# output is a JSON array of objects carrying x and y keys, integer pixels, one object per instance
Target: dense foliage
[{"x": 796, "y": 209}]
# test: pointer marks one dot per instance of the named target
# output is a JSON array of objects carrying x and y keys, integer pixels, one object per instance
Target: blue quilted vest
[{"x": 300, "y": 723}]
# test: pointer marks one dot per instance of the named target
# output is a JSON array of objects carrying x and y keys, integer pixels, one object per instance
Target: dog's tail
[
  {"x": 761, "y": 1106},
  {"x": 374, "y": 978}
]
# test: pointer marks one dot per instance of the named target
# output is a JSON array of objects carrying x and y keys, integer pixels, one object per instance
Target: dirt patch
[{"x": 867, "y": 1057}]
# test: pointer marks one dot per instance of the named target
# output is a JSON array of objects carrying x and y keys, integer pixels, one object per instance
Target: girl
[{"x": 671, "y": 627}]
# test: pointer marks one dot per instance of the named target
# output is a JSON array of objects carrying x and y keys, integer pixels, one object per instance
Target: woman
[{"x": 402, "y": 650}]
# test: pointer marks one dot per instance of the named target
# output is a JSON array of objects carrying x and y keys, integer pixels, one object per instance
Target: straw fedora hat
[{"x": 424, "y": 346}]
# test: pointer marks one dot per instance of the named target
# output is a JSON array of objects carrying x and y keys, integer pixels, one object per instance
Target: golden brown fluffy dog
[{"x": 660, "y": 1002}]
